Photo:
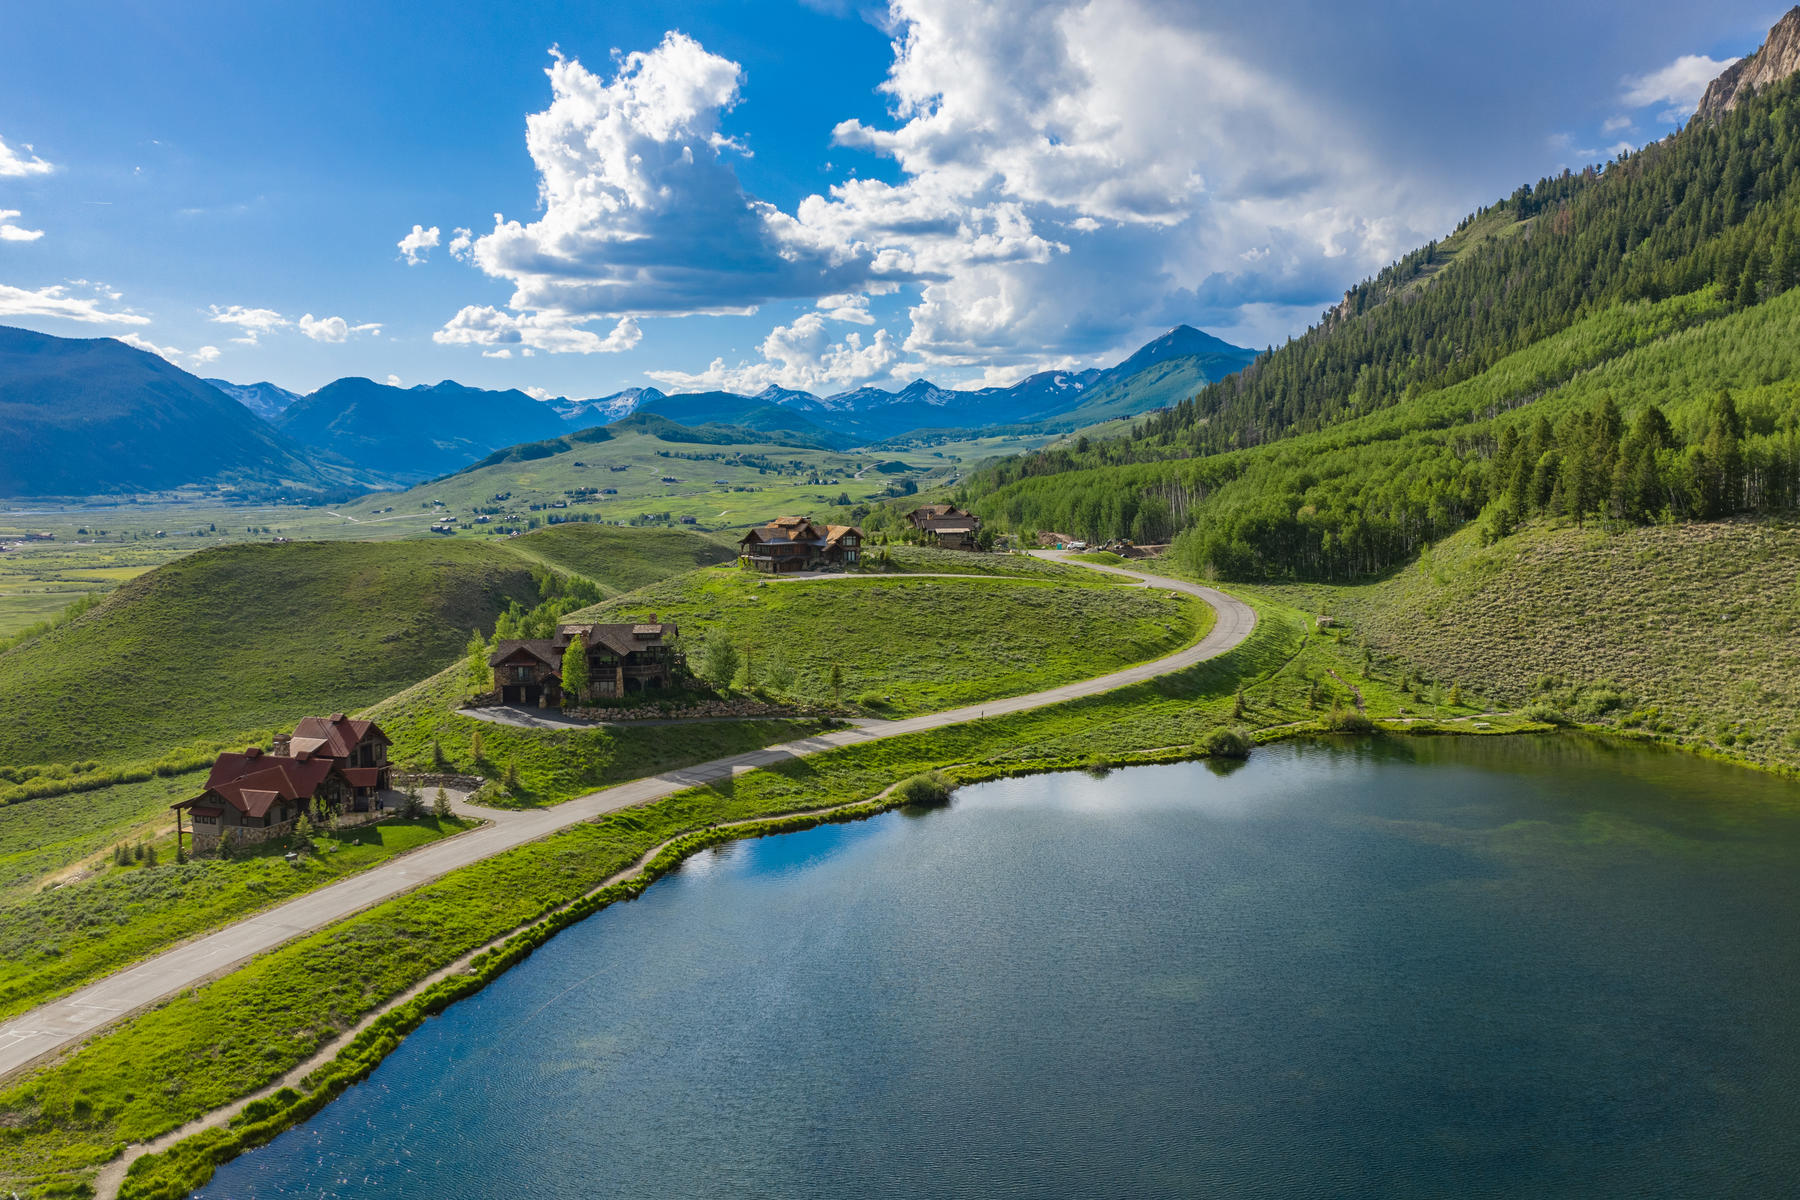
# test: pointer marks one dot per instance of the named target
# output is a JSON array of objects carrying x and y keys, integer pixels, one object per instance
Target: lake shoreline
[{"x": 192, "y": 1152}]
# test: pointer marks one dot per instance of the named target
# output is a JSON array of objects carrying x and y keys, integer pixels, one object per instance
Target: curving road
[{"x": 60, "y": 1024}]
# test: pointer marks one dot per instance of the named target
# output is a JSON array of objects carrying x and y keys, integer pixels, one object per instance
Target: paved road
[{"x": 62, "y": 1023}]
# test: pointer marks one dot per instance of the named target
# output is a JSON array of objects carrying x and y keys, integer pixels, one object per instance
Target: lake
[{"x": 1388, "y": 967}]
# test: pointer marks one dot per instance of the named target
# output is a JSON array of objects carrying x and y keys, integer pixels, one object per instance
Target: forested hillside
[{"x": 1616, "y": 345}]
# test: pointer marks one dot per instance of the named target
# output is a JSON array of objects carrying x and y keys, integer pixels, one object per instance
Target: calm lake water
[{"x": 1430, "y": 967}]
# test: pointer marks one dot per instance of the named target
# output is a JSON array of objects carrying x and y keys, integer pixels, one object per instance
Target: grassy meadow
[
  {"x": 726, "y": 485},
  {"x": 60, "y": 938},
  {"x": 904, "y": 646},
  {"x": 1685, "y": 632},
  {"x": 622, "y": 560},
  {"x": 41, "y": 838},
  {"x": 247, "y": 637}
]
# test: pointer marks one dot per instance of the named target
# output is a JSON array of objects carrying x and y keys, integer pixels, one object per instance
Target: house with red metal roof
[
  {"x": 330, "y": 768},
  {"x": 621, "y": 658}
]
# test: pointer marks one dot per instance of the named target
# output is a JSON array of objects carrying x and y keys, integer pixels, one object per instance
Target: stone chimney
[{"x": 282, "y": 744}]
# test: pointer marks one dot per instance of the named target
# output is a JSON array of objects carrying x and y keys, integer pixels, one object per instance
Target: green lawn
[
  {"x": 61, "y": 938},
  {"x": 906, "y": 646}
]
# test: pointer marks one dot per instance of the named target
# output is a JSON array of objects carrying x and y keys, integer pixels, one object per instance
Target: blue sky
[{"x": 816, "y": 195}]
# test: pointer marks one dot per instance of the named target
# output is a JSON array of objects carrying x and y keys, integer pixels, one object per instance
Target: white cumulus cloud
[
  {"x": 485, "y": 325},
  {"x": 13, "y": 233},
  {"x": 1681, "y": 83},
  {"x": 1071, "y": 175},
  {"x": 800, "y": 356},
  {"x": 199, "y": 358},
  {"x": 415, "y": 245},
  {"x": 333, "y": 329},
  {"x": 252, "y": 323},
  {"x": 58, "y": 301},
  {"x": 14, "y": 165}
]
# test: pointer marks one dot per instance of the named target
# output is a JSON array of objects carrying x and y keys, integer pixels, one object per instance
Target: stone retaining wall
[
  {"x": 705, "y": 709},
  {"x": 462, "y": 783}
]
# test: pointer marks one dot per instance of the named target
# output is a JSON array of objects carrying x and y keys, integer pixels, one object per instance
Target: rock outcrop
[{"x": 1778, "y": 58}]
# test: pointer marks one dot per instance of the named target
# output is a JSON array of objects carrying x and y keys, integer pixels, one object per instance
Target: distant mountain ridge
[
  {"x": 93, "y": 416},
  {"x": 1162, "y": 372},
  {"x": 419, "y": 432},
  {"x": 264, "y": 399}
]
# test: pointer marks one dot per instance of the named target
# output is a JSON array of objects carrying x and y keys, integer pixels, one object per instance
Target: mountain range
[
  {"x": 87, "y": 416},
  {"x": 95, "y": 416}
]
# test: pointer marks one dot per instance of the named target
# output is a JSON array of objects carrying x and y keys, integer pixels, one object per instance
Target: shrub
[
  {"x": 1347, "y": 720},
  {"x": 872, "y": 700},
  {"x": 1546, "y": 715},
  {"x": 1599, "y": 702},
  {"x": 1227, "y": 742},
  {"x": 932, "y": 787}
]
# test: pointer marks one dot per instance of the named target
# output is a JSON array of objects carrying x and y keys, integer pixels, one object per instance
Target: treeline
[
  {"x": 1472, "y": 373},
  {"x": 1590, "y": 466},
  {"x": 1368, "y": 494},
  {"x": 1711, "y": 205}
]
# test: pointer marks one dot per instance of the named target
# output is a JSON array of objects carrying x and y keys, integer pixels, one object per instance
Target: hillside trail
[{"x": 61, "y": 1024}]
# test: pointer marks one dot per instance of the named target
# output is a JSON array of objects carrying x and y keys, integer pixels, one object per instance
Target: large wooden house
[
  {"x": 949, "y": 526},
  {"x": 621, "y": 659},
  {"x": 328, "y": 768},
  {"x": 799, "y": 544}
]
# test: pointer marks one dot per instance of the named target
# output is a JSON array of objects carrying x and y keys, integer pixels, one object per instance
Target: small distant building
[
  {"x": 951, "y": 527},
  {"x": 799, "y": 544},
  {"x": 329, "y": 767},
  {"x": 622, "y": 659}
]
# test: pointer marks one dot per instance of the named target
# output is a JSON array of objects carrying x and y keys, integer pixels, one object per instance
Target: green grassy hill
[
  {"x": 718, "y": 483},
  {"x": 918, "y": 645},
  {"x": 1687, "y": 632},
  {"x": 247, "y": 637},
  {"x": 620, "y": 560}
]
